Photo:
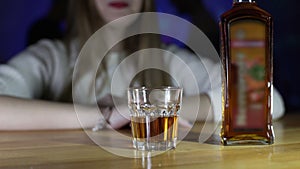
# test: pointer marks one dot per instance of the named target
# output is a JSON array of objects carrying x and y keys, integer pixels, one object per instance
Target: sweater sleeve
[
  {"x": 27, "y": 74},
  {"x": 12, "y": 83}
]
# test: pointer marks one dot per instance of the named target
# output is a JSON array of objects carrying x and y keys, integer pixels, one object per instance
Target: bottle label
[{"x": 248, "y": 95}]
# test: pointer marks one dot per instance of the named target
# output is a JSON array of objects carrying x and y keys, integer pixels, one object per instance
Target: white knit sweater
[{"x": 45, "y": 71}]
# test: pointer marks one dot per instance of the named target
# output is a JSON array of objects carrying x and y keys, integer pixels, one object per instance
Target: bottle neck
[{"x": 240, "y": 1}]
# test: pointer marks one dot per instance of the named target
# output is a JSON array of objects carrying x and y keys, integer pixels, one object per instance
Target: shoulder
[
  {"x": 44, "y": 52},
  {"x": 181, "y": 53},
  {"x": 41, "y": 61},
  {"x": 179, "y": 57},
  {"x": 177, "y": 50},
  {"x": 46, "y": 46},
  {"x": 207, "y": 57}
]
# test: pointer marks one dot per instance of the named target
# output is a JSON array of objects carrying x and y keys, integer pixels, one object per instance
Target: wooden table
[{"x": 74, "y": 149}]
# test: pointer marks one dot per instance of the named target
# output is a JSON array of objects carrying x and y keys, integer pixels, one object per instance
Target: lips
[{"x": 118, "y": 4}]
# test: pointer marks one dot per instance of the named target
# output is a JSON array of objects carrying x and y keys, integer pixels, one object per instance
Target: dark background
[{"x": 17, "y": 18}]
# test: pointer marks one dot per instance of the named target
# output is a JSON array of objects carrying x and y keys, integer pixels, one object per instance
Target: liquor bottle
[{"x": 247, "y": 81}]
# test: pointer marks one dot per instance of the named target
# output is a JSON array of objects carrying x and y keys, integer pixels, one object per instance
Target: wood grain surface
[{"x": 75, "y": 149}]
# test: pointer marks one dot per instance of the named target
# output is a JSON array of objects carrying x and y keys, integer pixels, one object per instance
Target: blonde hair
[{"x": 84, "y": 19}]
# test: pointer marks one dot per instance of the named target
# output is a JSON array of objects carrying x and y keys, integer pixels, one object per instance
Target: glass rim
[{"x": 164, "y": 88}]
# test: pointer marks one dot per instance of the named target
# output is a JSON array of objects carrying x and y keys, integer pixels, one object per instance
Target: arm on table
[
  {"x": 206, "y": 111},
  {"x": 25, "y": 114}
]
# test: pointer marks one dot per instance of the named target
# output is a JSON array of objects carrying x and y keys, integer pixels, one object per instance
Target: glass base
[
  {"x": 247, "y": 140},
  {"x": 154, "y": 146}
]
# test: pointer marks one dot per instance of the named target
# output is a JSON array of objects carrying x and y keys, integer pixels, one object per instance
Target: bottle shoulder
[{"x": 245, "y": 10}]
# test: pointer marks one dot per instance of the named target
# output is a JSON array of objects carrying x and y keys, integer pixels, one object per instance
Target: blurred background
[{"x": 23, "y": 22}]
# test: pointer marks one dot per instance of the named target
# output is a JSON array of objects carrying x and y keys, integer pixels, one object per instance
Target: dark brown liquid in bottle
[{"x": 246, "y": 37}]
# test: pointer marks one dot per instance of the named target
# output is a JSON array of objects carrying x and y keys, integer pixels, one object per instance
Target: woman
[{"x": 36, "y": 85}]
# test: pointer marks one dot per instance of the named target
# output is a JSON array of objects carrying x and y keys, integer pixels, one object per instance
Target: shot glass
[{"x": 154, "y": 117}]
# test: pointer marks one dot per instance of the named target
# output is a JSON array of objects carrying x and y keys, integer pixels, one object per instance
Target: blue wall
[{"x": 15, "y": 18}]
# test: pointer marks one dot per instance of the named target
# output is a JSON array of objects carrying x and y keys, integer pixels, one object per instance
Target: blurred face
[{"x": 114, "y": 9}]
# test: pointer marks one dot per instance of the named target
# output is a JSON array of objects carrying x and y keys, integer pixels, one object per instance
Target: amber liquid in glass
[
  {"x": 246, "y": 51},
  {"x": 162, "y": 130}
]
